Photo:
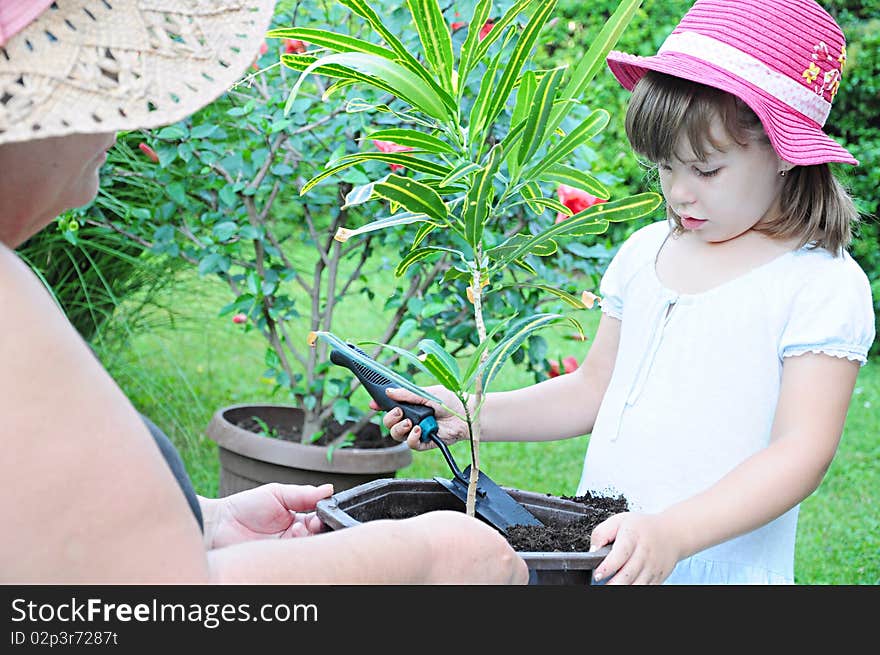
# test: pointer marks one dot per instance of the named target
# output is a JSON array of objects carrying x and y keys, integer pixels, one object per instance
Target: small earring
[{"x": 782, "y": 173}]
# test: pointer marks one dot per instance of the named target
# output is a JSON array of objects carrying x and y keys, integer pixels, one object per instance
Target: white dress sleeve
[
  {"x": 638, "y": 249},
  {"x": 833, "y": 314}
]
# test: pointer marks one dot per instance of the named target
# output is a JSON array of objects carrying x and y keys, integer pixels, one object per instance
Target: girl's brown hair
[{"x": 814, "y": 206}]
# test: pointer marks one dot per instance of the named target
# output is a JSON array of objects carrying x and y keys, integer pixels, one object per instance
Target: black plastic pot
[{"x": 396, "y": 499}]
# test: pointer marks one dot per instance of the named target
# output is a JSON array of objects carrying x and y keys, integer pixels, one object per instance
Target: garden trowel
[{"x": 493, "y": 504}]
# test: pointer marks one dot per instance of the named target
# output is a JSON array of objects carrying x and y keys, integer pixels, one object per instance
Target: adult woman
[{"x": 89, "y": 497}]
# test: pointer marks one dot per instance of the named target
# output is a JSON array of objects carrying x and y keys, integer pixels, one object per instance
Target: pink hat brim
[
  {"x": 15, "y": 15},
  {"x": 796, "y": 138}
]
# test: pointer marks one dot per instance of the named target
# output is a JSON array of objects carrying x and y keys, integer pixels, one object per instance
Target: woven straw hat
[
  {"x": 783, "y": 58},
  {"x": 90, "y": 66}
]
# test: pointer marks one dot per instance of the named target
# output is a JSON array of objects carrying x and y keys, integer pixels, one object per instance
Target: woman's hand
[
  {"x": 450, "y": 427},
  {"x": 271, "y": 511},
  {"x": 645, "y": 550}
]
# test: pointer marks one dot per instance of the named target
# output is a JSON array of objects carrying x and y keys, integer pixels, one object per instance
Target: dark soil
[
  {"x": 369, "y": 437},
  {"x": 571, "y": 537}
]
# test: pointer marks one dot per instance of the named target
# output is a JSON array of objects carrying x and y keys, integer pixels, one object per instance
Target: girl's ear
[{"x": 783, "y": 166}]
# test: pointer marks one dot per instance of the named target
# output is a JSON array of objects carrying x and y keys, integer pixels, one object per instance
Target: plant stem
[{"x": 477, "y": 288}]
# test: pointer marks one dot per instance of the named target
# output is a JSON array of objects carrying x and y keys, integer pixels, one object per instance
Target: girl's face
[
  {"x": 728, "y": 193},
  {"x": 40, "y": 179}
]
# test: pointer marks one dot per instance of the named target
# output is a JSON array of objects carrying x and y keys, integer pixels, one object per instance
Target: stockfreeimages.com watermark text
[{"x": 209, "y": 615}]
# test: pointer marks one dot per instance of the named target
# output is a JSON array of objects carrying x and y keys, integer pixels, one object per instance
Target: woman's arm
[
  {"x": 89, "y": 499},
  {"x": 810, "y": 416}
]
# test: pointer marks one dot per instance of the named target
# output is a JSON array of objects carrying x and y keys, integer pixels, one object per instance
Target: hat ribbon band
[{"x": 755, "y": 72}]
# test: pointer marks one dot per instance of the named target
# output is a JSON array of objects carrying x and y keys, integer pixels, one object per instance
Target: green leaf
[
  {"x": 435, "y": 38},
  {"x": 412, "y": 138},
  {"x": 593, "y": 220},
  {"x": 341, "y": 409},
  {"x": 362, "y": 9},
  {"x": 418, "y": 254},
  {"x": 530, "y": 191},
  {"x": 573, "y": 177},
  {"x": 176, "y": 192},
  {"x": 441, "y": 365},
  {"x": 567, "y": 298},
  {"x": 511, "y": 342},
  {"x": 330, "y": 40},
  {"x": 404, "y": 218},
  {"x": 478, "y": 203},
  {"x": 414, "y": 196},
  {"x": 594, "y": 59},
  {"x": 477, "y": 119},
  {"x": 225, "y": 230},
  {"x": 423, "y": 231},
  {"x": 360, "y": 194},
  {"x": 539, "y": 205},
  {"x": 407, "y": 160},
  {"x": 469, "y": 47},
  {"x": 474, "y": 361},
  {"x": 543, "y": 249},
  {"x": 227, "y": 195},
  {"x": 336, "y": 343},
  {"x": 590, "y": 127},
  {"x": 539, "y": 114},
  {"x": 525, "y": 91},
  {"x": 460, "y": 171},
  {"x": 518, "y": 58},
  {"x": 494, "y": 34},
  {"x": 397, "y": 79}
]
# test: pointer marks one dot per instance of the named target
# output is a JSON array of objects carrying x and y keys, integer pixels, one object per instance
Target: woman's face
[{"x": 40, "y": 179}]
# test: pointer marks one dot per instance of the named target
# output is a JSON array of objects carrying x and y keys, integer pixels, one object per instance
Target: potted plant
[{"x": 469, "y": 166}]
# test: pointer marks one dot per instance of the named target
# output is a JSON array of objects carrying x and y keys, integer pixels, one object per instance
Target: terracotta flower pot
[
  {"x": 388, "y": 498},
  {"x": 249, "y": 459}
]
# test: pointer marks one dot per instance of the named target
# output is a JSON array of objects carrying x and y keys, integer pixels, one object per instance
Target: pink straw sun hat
[
  {"x": 783, "y": 58},
  {"x": 94, "y": 66}
]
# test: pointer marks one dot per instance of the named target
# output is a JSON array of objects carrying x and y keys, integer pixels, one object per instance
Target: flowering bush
[{"x": 225, "y": 201}]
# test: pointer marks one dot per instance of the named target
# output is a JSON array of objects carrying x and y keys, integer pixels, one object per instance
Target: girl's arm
[
  {"x": 810, "y": 416},
  {"x": 558, "y": 408}
]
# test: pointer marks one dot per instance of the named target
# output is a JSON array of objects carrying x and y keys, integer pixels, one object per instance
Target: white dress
[{"x": 697, "y": 379}]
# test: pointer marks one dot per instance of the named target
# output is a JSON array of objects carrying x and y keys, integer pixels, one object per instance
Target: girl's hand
[
  {"x": 644, "y": 552},
  {"x": 450, "y": 427}
]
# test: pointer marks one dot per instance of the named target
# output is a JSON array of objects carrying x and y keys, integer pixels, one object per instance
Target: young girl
[{"x": 717, "y": 385}]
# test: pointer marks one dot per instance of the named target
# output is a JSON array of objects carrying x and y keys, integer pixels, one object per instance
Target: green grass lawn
[{"x": 180, "y": 373}]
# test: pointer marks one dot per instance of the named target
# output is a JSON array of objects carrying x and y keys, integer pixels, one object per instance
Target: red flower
[
  {"x": 149, "y": 152},
  {"x": 575, "y": 199},
  {"x": 294, "y": 46},
  {"x": 487, "y": 27},
  {"x": 388, "y": 146},
  {"x": 239, "y": 318},
  {"x": 264, "y": 48},
  {"x": 569, "y": 365},
  {"x": 457, "y": 25}
]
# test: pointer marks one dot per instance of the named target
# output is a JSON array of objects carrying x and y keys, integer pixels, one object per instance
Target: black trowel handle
[{"x": 376, "y": 384}]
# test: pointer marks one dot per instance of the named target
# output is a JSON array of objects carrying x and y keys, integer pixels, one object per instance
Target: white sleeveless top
[{"x": 694, "y": 391}]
